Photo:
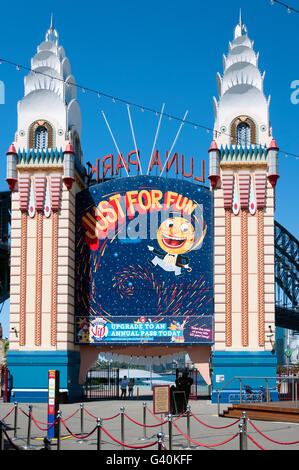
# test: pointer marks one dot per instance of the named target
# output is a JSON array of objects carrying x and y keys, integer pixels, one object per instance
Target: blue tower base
[
  {"x": 29, "y": 375},
  {"x": 230, "y": 364}
]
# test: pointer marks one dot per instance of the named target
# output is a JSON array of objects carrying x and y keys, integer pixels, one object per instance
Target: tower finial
[
  {"x": 52, "y": 22},
  {"x": 240, "y": 28},
  {"x": 51, "y": 34}
]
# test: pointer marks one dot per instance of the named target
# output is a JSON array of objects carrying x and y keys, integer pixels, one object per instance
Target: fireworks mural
[{"x": 144, "y": 262}]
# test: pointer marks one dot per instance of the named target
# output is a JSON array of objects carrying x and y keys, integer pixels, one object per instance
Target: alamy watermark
[{"x": 295, "y": 93}]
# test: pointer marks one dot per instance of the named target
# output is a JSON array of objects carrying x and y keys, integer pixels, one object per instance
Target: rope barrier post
[
  {"x": 122, "y": 425},
  {"x": 144, "y": 438},
  {"x": 245, "y": 421},
  {"x": 81, "y": 422},
  {"x": 160, "y": 437},
  {"x": 242, "y": 437},
  {"x": 170, "y": 431},
  {"x": 28, "y": 445},
  {"x": 188, "y": 427},
  {"x": 59, "y": 415},
  {"x": 99, "y": 432},
  {"x": 1, "y": 435},
  {"x": 15, "y": 422}
]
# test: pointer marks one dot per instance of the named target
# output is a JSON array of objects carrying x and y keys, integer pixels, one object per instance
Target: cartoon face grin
[
  {"x": 173, "y": 242},
  {"x": 176, "y": 235}
]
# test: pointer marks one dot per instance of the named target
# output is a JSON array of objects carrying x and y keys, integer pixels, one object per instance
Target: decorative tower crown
[
  {"x": 241, "y": 96},
  {"x": 50, "y": 101}
]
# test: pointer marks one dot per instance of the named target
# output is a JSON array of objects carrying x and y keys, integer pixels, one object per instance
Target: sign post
[{"x": 53, "y": 401}]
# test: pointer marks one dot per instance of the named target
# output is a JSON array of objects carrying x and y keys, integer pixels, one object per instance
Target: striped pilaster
[
  {"x": 244, "y": 189},
  {"x": 55, "y": 194},
  {"x": 40, "y": 191},
  {"x": 24, "y": 189}
]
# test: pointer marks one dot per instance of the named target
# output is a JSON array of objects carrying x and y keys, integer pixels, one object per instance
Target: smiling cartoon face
[{"x": 176, "y": 235}]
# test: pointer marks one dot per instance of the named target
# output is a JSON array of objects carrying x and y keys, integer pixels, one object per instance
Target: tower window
[
  {"x": 41, "y": 135},
  {"x": 243, "y": 131},
  {"x": 243, "y": 134},
  {"x": 41, "y": 138}
]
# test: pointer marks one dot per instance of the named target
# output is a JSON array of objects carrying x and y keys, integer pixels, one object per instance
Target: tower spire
[
  {"x": 240, "y": 28},
  {"x": 51, "y": 34}
]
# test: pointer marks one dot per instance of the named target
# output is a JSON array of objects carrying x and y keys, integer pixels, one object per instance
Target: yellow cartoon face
[{"x": 176, "y": 235}]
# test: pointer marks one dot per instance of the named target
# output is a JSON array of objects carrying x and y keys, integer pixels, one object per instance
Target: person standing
[
  {"x": 131, "y": 387},
  {"x": 123, "y": 387}
]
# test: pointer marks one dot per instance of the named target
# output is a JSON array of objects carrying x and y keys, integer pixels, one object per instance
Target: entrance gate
[{"x": 101, "y": 383}]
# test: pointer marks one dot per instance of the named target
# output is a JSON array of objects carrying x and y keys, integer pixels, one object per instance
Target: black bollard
[
  {"x": 15, "y": 422},
  {"x": 28, "y": 444},
  {"x": 81, "y": 422},
  {"x": 122, "y": 425},
  {"x": 59, "y": 414}
]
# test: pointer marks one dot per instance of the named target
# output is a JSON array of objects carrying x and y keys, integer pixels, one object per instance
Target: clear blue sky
[{"x": 153, "y": 53}]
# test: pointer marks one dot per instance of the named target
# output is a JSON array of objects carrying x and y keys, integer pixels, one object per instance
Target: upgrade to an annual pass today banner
[{"x": 144, "y": 262}]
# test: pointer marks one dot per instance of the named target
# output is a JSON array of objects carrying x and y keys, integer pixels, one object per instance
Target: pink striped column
[
  {"x": 227, "y": 182},
  {"x": 24, "y": 190},
  {"x": 260, "y": 190},
  {"x": 55, "y": 194},
  {"x": 39, "y": 191},
  {"x": 244, "y": 189}
]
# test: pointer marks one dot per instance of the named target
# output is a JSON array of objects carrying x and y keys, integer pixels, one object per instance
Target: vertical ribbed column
[
  {"x": 228, "y": 279},
  {"x": 40, "y": 190},
  {"x": 244, "y": 277},
  {"x": 227, "y": 187},
  {"x": 260, "y": 190},
  {"x": 55, "y": 194},
  {"x": 24, "y": 189},
  {"x": 244, "y": 187},
  {"x": 260, "y": 267}
]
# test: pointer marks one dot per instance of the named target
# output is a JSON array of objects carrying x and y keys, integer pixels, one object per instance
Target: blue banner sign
[{"x": 144, "y": 262}]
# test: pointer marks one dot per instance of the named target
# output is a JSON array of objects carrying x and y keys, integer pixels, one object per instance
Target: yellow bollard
[{"x": 137, "y": 393}]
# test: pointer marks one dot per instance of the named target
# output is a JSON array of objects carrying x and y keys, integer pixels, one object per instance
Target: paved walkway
[{"x": 203, "y": 410}]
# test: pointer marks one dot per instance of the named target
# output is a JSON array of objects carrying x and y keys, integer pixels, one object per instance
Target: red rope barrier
[
  {"x": 76, "y": 435},
  {"x": 204, "y": 445},
  {"x": 2, "y": 419},
  {"x": 127, "y": 445},
  {"x": 145, "y": 425},
  {"x": 154, "y": 415},
  {"x": 24, "y": 412},
  {"x": 215, "y": 427},
  {"x": 72, "y": 415},
  {"x": 272, "y": 440},
  {"x": 42, "y": 429},
  {"x": 251, "y": 438},
  {"x": 103, "y": 419},
  {"x": 179, "y": 417}
]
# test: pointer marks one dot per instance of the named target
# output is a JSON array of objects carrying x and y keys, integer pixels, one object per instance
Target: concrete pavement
[{"x": 203, "y": 410}]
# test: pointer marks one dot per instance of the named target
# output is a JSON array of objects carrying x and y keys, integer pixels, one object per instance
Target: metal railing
[{"x": 287, "y": 388}]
